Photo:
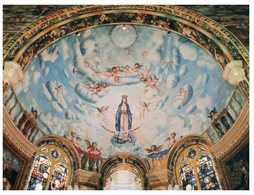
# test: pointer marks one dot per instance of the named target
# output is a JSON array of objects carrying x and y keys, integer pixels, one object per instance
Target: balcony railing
[
  {"x": 21, "y": 118},
  {"x": 226, "y": 118}
]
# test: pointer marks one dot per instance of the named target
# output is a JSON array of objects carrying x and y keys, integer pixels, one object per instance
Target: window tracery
[
  {"x": 195, "y": 169},
  {"x": 51, "y": 169}
]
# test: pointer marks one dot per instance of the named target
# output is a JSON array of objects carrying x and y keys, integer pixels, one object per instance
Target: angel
[
  {"x": 59, "y": 93},
  {"x": 154, "y": 82},
  {"x": 94, "y": 88},
  {"x": 147, "y": 73},
  {"x": 143, "y": 109},
  {"x": 127, "y": 69},
  {"x": 115, "y": 73},
  {"x": 171, "y": 139},
  {"x": 144, "y": 53},
  {"x": 156, "y": 151},
  {"x": 126, "y": 52},
  {"x": 137, "y": 67},
  {"x": 91, "y": 159},
  {"x": 102, "y": 111},
  {"x": 220, "y": 122},
  {"x": 76, "y": 142},
  {"x": 182, "y": 93},
  {"x": 74, "y": 70}
]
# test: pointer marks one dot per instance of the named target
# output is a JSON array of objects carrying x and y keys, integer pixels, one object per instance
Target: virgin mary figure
[{"x": 123, "y": 119}]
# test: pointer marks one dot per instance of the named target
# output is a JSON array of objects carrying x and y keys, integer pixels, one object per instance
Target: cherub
[
  {"x": 213, "y": 114},
  {"x": 181, "y": 96},
  {"x": 126, "y": 52},
  {"x": 115, "y": 73},
  {"x": 154, "y": 149},
  {"x": 146, "y": 72},
  {"x": 95, "y": 88},
  {"x": 127, "y": 69},
  {"x": 144, "y": 53},
  {"x": 154, "y": 82},
  {"x": 137, "y": 67},
  {"x": 156, "y": 152},
  {"x": 171, "y": 139},
  {"x": 74, "y": 70},
  {"x": 59, "y": 93},
  {"x": 101, "y": 111}
]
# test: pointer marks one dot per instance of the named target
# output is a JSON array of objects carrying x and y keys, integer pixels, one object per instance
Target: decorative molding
[
  {"x": 15, "y": 139},
  {"x": 128, "y": 158},
  {"x": 182, "y": 144},
  {"x": 81, "y": 18},
  {"x": 65, "y": 144},
  {"x": 234, "y": 139},
  {"x": 86, "y": 178}
]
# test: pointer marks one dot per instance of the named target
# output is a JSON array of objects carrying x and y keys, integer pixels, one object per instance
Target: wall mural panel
[
  {"x": 11, "y": 168},
  {"x": 238, "y": 170},
  {"x": 109, "y": 97}
]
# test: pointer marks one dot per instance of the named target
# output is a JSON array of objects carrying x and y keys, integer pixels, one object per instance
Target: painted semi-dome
[{"x": 124, "y": 96}]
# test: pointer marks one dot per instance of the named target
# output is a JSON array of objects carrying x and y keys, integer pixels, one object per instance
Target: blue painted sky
[{"x": 77, "y": 62}]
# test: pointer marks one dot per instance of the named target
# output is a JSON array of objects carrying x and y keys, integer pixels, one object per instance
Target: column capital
[
  {"x": 234, "y": 72},
  {"x": 87, "y": 179},
  {"x": 159, "y": 179},
  {"x": 13, "y": 73}
]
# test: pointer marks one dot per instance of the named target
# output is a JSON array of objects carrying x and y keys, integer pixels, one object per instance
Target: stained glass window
[
  {"x": 206, "y": 173},
  {"x": 58, "y": 178},
  {"x": 195, "y": 169},
  {"x": 188, "y": 177},
  {"x": 40, "y": 172},
  {"x": 51, "y": 169}
]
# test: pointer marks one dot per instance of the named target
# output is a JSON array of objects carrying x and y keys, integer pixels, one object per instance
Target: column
[
  {"x": 159, "y": 180},
  {"x": 86, "y": 180}
]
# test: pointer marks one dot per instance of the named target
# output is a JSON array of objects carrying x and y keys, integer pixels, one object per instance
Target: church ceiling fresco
[{"x": 125, "y": 87}]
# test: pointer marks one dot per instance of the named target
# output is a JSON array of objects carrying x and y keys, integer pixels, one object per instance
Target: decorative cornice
[
  {"x": 15, "y": 139},
  {"x": 86, "y": 178},
  {"x": 234, "y": 139},
  {"x": 81, "y": 19}
]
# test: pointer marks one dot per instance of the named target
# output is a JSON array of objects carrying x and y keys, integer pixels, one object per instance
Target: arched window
[
  {"x": 58, "y": 178},
  {"x": 206, "y": 173},
  {"x": 51, "y": 169},
  {"x": 195, "y": 169},
  {"x": 40, "y": 172},
  {"x": 188, "y": 177}
]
